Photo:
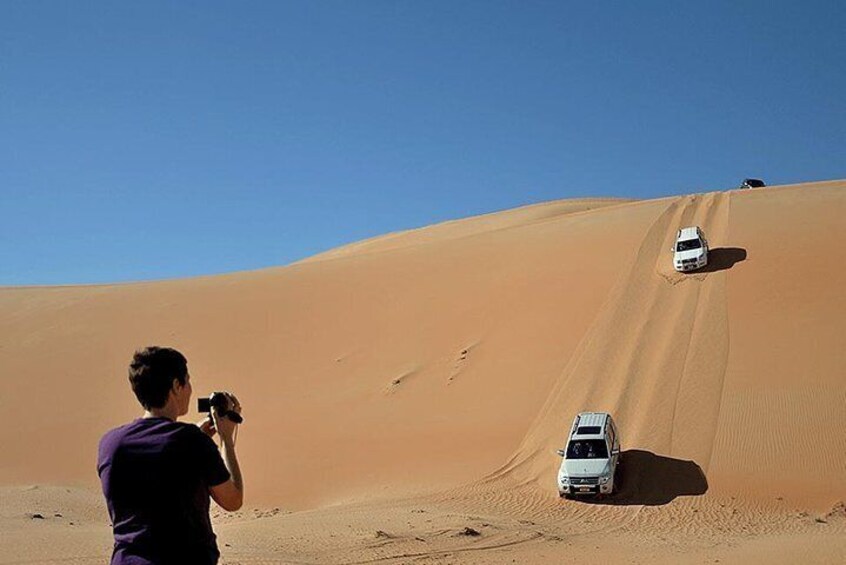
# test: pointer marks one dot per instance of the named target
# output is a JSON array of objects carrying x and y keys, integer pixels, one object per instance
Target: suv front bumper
[
  {"x": 585, "y": 490},
  {"x": 690, "y": 266}
]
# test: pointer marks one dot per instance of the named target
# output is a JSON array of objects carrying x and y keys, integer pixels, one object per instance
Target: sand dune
[{"x": 418, "y": 384}]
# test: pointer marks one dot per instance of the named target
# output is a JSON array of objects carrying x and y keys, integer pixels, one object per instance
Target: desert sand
[{"x": 404, "y": 396}]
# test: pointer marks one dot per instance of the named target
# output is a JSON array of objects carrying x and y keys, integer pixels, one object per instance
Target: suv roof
[
  {"x": 589, "y": 425},
  {"x": 688, "y": 233},
  {"x": 752, "y": 183}
]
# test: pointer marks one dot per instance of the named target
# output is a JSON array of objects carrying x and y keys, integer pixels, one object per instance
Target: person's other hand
[{"x": 207, "y": 426}]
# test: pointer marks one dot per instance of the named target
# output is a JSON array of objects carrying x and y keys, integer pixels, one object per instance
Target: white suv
[
  {"x": 691, "y": 249},
  {"x": 591, "y": 456}
]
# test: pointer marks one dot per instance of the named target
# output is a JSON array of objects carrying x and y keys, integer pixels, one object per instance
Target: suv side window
[
  {"x": 611, "y": 437},
  {"x": 614, "y": 439}
]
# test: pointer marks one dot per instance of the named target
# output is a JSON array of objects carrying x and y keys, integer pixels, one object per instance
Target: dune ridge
[{"x": 455, "y": 229}]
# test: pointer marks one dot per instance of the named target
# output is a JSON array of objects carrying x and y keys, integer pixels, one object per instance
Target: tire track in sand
[{"x": 655, "y": 357}]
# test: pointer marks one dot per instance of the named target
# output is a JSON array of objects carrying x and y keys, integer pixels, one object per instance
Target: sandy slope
[{"x": 418, "y": 384}]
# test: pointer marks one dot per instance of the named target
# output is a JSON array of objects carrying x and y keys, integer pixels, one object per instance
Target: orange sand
[{"x": 403, "y": 388}]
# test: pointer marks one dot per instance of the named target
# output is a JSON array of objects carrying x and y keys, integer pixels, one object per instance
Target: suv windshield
[
  {"x": 587, "y": 449},
  {"x": 689, "y": 244}
]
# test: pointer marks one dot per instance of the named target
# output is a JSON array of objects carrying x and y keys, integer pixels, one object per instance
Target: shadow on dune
[
  {"x": 653, "y": 480},
  {"x": 723, "y": 258}
]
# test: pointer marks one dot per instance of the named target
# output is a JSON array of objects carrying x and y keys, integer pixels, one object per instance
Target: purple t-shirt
[{"x": 156, "y": 475}]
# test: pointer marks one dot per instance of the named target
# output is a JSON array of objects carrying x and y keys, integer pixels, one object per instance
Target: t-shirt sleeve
[{"x": 212, "y": 469}]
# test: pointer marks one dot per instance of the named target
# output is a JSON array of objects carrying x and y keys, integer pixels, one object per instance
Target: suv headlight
[
  {"x": 564, "y": 480},
  {"x": 603, "y": 480}
]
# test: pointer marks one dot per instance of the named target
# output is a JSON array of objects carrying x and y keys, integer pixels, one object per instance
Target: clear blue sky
[{"x": 148, "y": 140}]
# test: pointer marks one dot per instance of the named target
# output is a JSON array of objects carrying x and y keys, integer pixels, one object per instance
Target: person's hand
[
  {"x": 224, "y": 426},
  {"x": 207, "y": 426}
]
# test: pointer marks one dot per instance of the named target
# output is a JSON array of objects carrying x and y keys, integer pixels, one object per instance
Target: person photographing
[{"x": 158, "y": 474}]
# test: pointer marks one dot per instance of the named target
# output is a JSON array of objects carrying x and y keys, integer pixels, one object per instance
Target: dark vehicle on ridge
[{"x": 752, "y": 183}]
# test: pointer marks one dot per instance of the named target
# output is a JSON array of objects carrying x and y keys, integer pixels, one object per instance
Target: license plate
[{"x": 584, "y": 489}]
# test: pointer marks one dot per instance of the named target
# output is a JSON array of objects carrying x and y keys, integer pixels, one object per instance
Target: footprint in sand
[
  {"x": 399, "y": 380},
  {"x": 458, "y": 365}
]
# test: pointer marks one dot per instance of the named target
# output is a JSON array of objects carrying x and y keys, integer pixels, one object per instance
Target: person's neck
[{"x": 166, "y": 411}]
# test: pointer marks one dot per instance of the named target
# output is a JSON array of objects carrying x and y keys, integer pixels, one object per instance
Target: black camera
[{"x": 220, "y": 403}]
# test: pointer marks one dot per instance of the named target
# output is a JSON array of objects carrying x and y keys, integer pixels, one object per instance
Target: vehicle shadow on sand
[
  {"x": 723, "y": 258},
  {"x": 653, "y": 480}
]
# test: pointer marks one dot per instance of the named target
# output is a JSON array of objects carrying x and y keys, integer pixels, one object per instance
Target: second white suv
[
  {"x": 591, "y": 456},
  {"x": 690, "y": 251}
]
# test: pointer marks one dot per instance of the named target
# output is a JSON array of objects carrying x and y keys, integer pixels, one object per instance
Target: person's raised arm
[{"x": 229, "y": 495}]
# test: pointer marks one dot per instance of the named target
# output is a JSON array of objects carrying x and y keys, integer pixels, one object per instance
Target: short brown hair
[{"x": 151, "y": 374}]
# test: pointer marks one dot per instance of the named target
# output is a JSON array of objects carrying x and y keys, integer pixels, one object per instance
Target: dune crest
[{"x": 456, "y": 229}]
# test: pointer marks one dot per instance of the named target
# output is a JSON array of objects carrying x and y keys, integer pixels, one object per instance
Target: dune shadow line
[{"x": 653, "y": 480}]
